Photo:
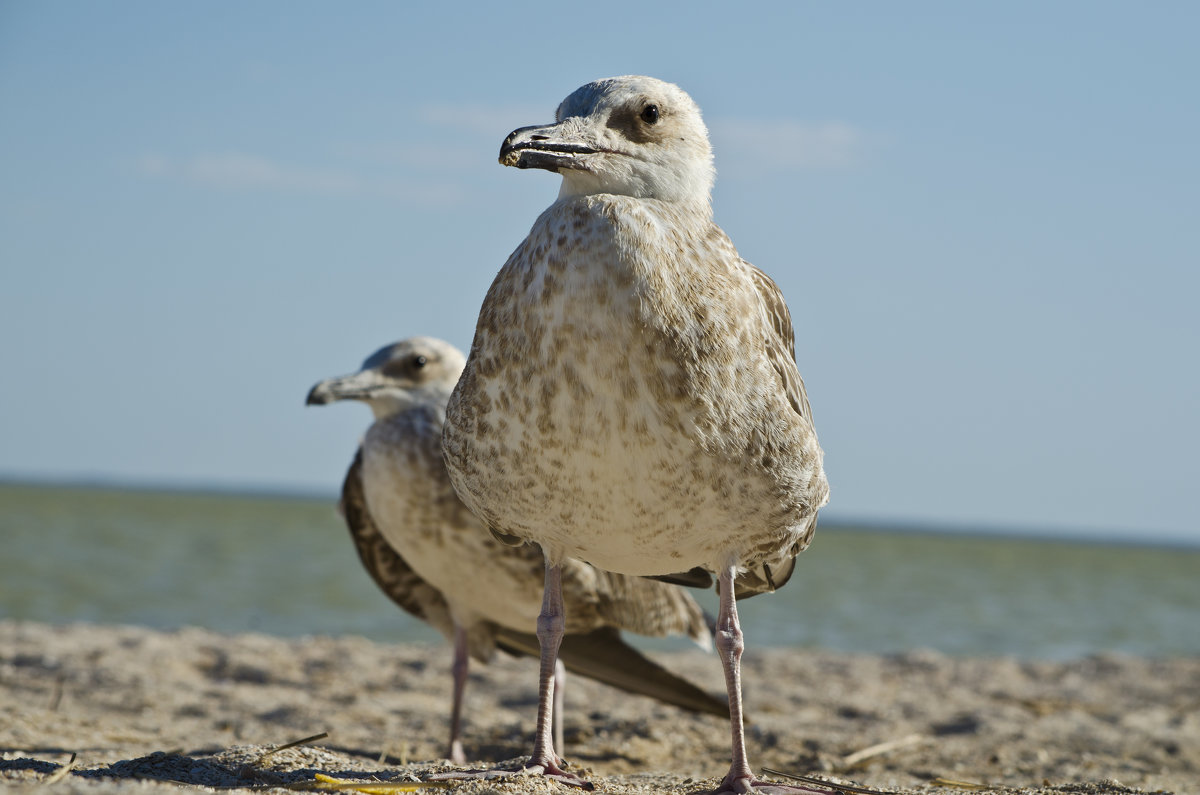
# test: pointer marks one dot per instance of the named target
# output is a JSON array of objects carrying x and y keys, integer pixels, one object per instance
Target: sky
[{"x": 985, "y": 218}]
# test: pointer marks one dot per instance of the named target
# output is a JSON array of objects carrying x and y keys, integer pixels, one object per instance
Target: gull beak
[
  {"x": 358, "y": 386},
  {"x": 552, "y": 147}
]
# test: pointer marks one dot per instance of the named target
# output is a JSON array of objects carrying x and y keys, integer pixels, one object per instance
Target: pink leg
[
  {"x": 729, "y": 643},
  {"x": 459, "y": 670},
  {"x": 560, "y": 680},
  {"x": 550, "y": 627},
  {"x": 544, "y": 760}
]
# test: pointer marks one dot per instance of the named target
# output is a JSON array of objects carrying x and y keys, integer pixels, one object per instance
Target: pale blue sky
[{"x": 985, "y": 216}]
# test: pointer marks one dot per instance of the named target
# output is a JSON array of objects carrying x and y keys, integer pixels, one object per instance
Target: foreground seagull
[
  {"x": 431, "y": 555},
  {"x": 631, "y": 397}
]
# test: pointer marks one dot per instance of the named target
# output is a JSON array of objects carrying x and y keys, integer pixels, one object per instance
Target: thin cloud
[
  {"x": 240, "y": 171},
  {"x": 762, "y": 144},
  {"x": 490, "y": 120},
  {"x": 244, "y": 172},
  {"x": 791, "y": 145},
  {"x": 424, "y": 156}
]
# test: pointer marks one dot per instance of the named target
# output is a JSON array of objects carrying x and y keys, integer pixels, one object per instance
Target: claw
[
  {"x": 752, "y": 786},
  {"x": 543, "y": 768},
  {"x": 551, "y": 772}
]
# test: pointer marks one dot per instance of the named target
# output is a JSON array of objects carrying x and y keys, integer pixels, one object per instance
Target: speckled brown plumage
[
  {"x": 437, "y": 561},
  {"x": 635, "y": 402},
  {"x": 631, "y": 397}
]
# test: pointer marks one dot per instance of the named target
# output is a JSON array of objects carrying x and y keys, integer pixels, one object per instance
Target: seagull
[
  {"x": 631, "y": 398},
  {"x": 434, "y": 559}
]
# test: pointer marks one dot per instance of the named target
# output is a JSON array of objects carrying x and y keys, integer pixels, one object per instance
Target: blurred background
[{"x": 985, "y": 218}]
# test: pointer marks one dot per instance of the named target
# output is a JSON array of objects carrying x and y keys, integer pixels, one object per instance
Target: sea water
[{"x": 286, "y": 566}]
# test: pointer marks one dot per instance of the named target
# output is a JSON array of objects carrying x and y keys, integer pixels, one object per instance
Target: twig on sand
[
  {"x": 329, "y": 783},
  {"x": 255, "y": 769},
  {"x": 61, "y": 773},
  {"x": 952, "y": 784},
  {"x": 880, "y": 748},
  {"x": 292, "y": 744},
  {"x": 820, "y": 782}
]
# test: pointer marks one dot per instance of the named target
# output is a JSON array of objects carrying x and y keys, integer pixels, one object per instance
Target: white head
[
  {"x": 419, "y": 371},
  {"x": 632, "y": 135}
]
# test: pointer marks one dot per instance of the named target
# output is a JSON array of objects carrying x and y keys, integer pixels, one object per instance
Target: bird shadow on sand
[
  {"x": 214, "y": 771},
  {"x": 31, "y": 764},
  {"x": 239, "y": 766}
]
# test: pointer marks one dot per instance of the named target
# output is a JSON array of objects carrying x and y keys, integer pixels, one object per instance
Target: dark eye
[
  {"x": 650, "y": 114},
  {"x": 419, "y": 361}
]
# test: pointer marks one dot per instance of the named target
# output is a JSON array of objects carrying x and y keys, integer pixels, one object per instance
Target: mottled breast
[
  {"x": 620, "y": 405},
  {"x": 416, "y": 509}
]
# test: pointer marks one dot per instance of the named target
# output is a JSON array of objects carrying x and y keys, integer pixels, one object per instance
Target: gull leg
[
  {"x": 560, "y": 680},
  {"x": 544, "y": 761},
  {"x": 730, "y": 644},
  {"x": 550, "y": 627},
  {"x": 459, "y": 670}
]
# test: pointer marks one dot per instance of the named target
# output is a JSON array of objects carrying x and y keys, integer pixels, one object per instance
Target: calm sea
[{"x": 286, "y": 566}]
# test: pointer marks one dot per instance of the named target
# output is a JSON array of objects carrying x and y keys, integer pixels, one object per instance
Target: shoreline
[{"x": 140, "y": 706}]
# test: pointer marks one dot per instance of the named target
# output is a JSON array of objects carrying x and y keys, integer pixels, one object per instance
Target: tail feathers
[
  {"x": 751, "y": 582},
  {"x": 604, "y": 656},
  {"x": 693, "y": 578}
]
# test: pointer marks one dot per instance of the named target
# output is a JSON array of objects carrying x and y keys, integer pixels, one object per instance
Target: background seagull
[
  {"x": 631, "y": 397},
  {"x": 427, "y": 552}
]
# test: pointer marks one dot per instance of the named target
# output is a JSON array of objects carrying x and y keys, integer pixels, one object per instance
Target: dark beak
[
  {"x": 549, "y": 147},
  {"x": 345, "y": 387}
]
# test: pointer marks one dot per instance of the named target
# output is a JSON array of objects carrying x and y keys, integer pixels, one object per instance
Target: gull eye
[
  {"x": 650, "y": 114},
  {"x": 419, "y": 361}
]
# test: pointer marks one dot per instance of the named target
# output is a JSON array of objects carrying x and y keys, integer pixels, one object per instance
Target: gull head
[
  {"x": 632, "y": 136},
  {"x": 419, "y": 371}
]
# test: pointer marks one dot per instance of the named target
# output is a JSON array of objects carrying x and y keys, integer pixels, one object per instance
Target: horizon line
[{"x": 835, "y": 521}]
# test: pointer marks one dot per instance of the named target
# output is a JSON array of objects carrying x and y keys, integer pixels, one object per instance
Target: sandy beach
[{"x": 143, "y": 710}]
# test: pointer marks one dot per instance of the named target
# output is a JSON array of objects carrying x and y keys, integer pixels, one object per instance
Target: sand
[{"x": 144, "y": 710}]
